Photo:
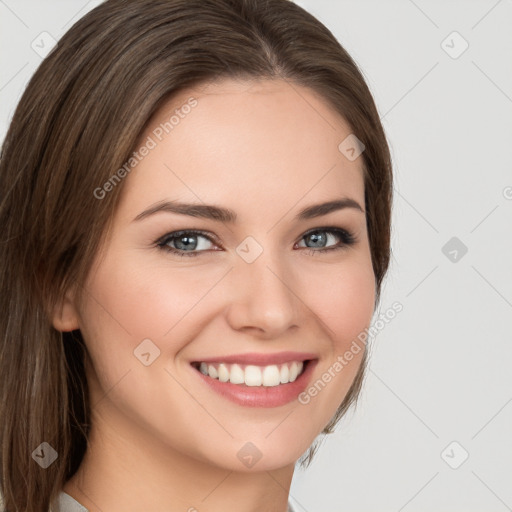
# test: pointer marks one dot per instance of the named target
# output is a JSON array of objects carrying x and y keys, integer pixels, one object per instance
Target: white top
[{"x": 65, "y": 503}]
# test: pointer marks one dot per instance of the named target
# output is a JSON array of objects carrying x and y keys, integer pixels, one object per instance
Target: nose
[{"x": 263, "y": 301}]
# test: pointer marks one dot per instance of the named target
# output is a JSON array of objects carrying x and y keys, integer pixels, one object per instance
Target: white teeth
[
  {"x": 212, "y": 371},
  {"x": 271, "y": 376},
  {"x": 223, "y": 373},
  {"x": 284, "y": 374},
  {"x": 252, "y": 375},
  {"x": 293, "y": 371},
  {"x": 236, "y": 375}
]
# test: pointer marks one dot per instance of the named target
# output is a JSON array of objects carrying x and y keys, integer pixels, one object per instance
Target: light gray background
[{"x": 440, "y": 371}]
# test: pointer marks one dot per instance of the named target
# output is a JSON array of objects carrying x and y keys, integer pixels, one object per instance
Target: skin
[{"x": 161, "y": 440}]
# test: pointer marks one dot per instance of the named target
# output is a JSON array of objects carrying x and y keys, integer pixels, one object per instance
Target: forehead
[{"x": 267, "y": 142}]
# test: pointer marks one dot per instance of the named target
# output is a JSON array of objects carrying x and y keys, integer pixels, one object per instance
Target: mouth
[
  {"x": 253, "y": 375},
  {"x": 257, "y": 380}
]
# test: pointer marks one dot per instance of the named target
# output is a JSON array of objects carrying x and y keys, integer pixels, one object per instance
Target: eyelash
[{"x": 346, "y": 237}]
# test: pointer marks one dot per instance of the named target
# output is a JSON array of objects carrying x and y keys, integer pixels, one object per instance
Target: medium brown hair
[{"x": 77, "y": 122}]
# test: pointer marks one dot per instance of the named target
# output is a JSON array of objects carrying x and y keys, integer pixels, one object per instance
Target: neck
[{"x": 125, "y": 468}]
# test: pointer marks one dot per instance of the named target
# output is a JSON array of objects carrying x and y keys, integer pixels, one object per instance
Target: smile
[
  {"x": 257, "y": 380},
  {"x": 253, "y": 375}
]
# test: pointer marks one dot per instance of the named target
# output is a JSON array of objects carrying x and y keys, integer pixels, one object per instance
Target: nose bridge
[{"x": 263, "y": 298}]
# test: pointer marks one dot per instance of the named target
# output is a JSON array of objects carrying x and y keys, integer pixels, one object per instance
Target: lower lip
[{"x": 261, "y": 396}]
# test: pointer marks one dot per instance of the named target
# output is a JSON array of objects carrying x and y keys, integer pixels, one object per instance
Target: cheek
[
  {"x": 136, "y": 299},
  {"x": 344, "y": 300},
  {"x": 128, "y": 301}
]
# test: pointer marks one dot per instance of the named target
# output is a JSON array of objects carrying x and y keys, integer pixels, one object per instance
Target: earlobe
[{"x": 65, "y": 316}]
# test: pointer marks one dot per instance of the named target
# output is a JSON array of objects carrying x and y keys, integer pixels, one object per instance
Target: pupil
[
  {"x": 318, "y": 239},
  {"x": 190, "y": 242}
]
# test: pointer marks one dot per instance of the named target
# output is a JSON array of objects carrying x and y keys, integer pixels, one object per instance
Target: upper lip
[{"x": 259, "y": 359}]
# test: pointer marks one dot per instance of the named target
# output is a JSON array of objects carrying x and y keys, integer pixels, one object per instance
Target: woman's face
[{"x": 256, "y": 290}]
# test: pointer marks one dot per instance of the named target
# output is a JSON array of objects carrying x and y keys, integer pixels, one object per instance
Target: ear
[{"x": 65, "y": 315}]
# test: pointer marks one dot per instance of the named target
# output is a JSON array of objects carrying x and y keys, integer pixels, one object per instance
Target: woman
[{"x": 196, "y": 225}]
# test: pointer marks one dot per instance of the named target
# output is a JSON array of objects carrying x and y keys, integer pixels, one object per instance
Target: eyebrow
[{"x": 226, "y": 215}]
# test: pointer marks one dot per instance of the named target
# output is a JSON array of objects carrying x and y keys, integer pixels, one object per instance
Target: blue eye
[
  {"x": 321, "y": 236},
  {"x": 187, "y": 243},
  {"x": 193, "y": 242}
]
